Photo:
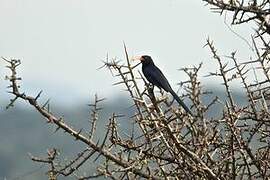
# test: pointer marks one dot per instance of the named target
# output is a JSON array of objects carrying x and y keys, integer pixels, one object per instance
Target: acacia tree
[{"x": 165, "y": 142}]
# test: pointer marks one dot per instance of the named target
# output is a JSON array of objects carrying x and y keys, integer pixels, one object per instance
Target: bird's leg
[
  {"x": 150, "y": 89},
  {"x": 152, "y": 97}
]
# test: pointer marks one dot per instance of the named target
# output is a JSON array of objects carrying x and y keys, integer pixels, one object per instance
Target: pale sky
[{"x": 61, "y": 42}]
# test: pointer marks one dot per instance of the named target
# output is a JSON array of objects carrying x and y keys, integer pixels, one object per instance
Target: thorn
[
  {"x": 50, "y": 120},
  {"x": 77, "y": 134},
  {"x": 99, "y": 100},
  {"x": 5, "y": 59},
  {"x": 38, "y": 95},
  {"x": 56, "y": 129},
  {"x": 46, "y": 103},
  {"x": 97, "y": 157}
]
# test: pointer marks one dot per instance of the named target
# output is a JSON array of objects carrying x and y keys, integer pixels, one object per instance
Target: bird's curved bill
[{"x": 137, "y": 58}]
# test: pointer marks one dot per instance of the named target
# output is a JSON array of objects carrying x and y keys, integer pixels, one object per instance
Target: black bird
[{"x": 154, "y": 75}]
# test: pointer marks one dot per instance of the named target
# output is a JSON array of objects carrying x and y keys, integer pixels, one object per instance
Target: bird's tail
[{"x": 181, "y": 103}]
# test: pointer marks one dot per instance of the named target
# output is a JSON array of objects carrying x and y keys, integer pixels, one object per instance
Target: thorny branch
[
  {"x": 245, "y": 11},
  {"x": 59, "y": 122},
  {"x": 164, "y": 142}
]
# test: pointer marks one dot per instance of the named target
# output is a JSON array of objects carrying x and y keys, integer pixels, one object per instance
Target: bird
[{"x": 155, "y": 76}]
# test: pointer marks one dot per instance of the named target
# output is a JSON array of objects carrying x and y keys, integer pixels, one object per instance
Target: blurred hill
[{"x": 24, "y": 131}]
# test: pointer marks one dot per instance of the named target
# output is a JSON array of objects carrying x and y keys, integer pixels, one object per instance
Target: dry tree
[{"x": 165, "y": 142}]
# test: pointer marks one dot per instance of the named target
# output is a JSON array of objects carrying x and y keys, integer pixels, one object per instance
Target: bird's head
[{"x": 145, "y": 59}]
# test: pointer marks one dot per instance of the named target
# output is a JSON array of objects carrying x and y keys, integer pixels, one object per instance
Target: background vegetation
[{"x": 156, "y": 139}]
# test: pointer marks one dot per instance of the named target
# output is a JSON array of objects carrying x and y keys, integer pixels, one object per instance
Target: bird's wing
[{"x": 154, "y": 75}]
